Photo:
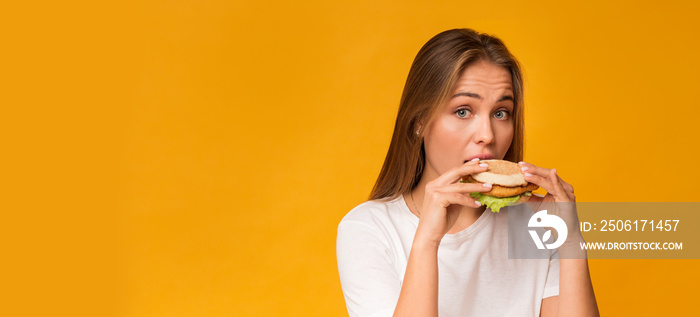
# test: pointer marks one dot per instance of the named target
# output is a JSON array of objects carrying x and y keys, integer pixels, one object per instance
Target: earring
[{"x": 417, "y": 132}]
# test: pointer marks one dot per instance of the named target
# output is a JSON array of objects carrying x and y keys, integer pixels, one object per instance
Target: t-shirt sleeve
[
  {"x": 551, "y": 287},
  {"x": 369, "y": 281}
]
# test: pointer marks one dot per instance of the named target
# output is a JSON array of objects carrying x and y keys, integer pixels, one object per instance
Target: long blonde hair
[{"x": 432, "y": 77}]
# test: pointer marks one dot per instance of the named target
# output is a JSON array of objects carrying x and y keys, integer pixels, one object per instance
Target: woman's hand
[
  {"x": 557, "y": 189},
  {"x": 444, "y": 198},
  {"x": 560, "y": 199},
  {"x": 576, "y": 296}
]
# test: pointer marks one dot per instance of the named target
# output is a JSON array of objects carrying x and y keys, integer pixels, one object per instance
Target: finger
[
  {"x": 543, "y": 182},
  {"x": 549, "y": 184},
  {"x": 455, "y": 174},
  {"x": 559, "y": 190},
  {"x": 539, "y": 175},
  {"x": 562, "y": 192},
  {"x": 459, "y": 199},
  {"x": 465, "y": 188},
  {"x": 544, "y": 172},
  {"x": 533, "y": 169},
  {"x": 569, "y": 189}
]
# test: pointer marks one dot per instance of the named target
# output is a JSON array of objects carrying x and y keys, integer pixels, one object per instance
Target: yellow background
[{"x": 193, "y": 158}]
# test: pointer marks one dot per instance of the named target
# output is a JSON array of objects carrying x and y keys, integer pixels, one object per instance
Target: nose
[{"x": 484, "y": 131}]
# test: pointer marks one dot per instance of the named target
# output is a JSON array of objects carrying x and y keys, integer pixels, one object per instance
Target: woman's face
[{"x": 476, "y": 122}]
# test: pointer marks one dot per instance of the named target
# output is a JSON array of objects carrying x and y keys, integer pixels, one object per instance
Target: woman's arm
[
  {"x": 442, "y": 202},
  {"x": 368, "y": 278},
  {"x": 419, "y": 291},
  {"x": 576, "y": 296}
]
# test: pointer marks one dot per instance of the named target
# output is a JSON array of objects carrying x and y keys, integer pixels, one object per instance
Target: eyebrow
[{"x": 473, "y": 95}]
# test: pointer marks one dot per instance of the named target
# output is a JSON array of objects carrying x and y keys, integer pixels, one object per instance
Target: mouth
[{"x": 484, "y": 156}]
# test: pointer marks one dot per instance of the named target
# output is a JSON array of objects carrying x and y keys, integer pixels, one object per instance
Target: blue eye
[
  {"x": 463, "y": 113},
  {"x": 501, "y": 114}
]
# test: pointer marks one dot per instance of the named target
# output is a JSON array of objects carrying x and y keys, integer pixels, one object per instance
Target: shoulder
[
  {"x": 372, "y": 211},
  {"x": 376, "y": 227},
  {"x": 382, "y": 218}
]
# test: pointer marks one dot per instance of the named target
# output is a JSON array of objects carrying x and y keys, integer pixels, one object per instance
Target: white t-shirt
[{"x": 476, "y": 278}]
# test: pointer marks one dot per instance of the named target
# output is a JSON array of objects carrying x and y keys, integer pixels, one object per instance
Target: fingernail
[
  {"x": 521, "y": 163},
  {"x": 475, "y": 159},
  {"x": 477, "y": 203},
  {"x": 538, "y": 195},
  {"x": 524, "y": 168},
  {"x": 488, "y": 185},
  {"x": 484, "y": 165},
  {"x": 528, "y": 174},
  {"x": 555, "y": 171}
]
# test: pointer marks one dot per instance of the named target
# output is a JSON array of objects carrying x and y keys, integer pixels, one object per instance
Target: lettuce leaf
[{"x": 495, "y": 203}]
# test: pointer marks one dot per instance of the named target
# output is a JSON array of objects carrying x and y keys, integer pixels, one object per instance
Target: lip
[{"x": 485, "y": 156}]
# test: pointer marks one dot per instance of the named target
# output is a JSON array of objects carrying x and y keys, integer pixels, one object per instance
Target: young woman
[{"x": 422, "y": 246}]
